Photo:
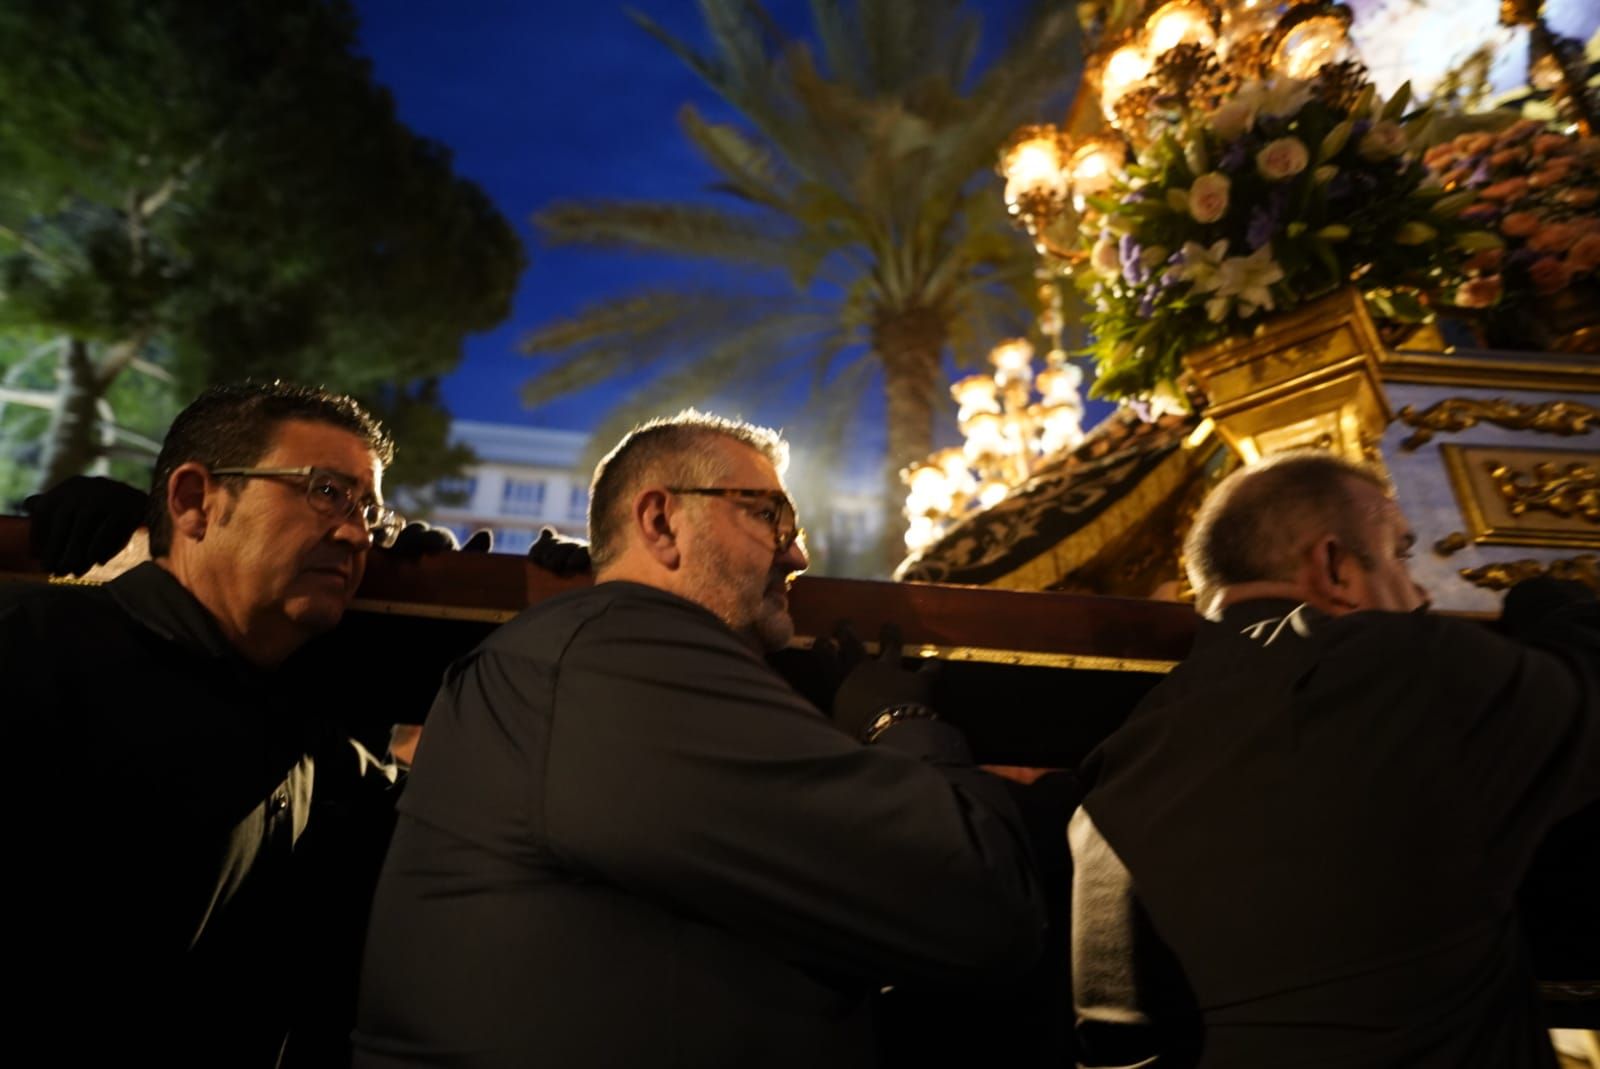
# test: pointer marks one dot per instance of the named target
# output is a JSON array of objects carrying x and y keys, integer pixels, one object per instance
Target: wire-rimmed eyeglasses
[
  {"x": 332, "y": 493},
  {"x": 779, "y": 513}
]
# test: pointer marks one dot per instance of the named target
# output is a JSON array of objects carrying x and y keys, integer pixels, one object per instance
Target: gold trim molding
[
  {"x": 1526, "y": 497},
  {"x": 1438, "y": 369},
  {"x": 1502, "y": 575},
  {"x": 1565, "y": 418}
]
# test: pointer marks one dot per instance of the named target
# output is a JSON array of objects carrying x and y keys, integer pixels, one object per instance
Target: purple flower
[
  {"x": 1520, "y": 258},
  {"x": 1235, "y": 156},
  {"x": 1264, "y": 220},
  {"x": 1134, "y": 272},
  {"x": 1479, "y": 175},
  {"x": 1359, "y": 127},
  {"x": 1147, "y": 303},
  {"x": 1481, "y": 212}
]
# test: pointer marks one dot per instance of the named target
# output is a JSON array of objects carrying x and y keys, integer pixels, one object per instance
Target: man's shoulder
[
  {"x": 45, "y": 603},
  {"x": 615, "y": 611}
]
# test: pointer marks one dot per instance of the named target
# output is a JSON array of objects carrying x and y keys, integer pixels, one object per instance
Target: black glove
[
  {"x": 563, "y": 556},
  {"x": 1532, "y": 601},
  {"x": 417, "y": 539},
  {"x": 873, "y": 684},
  {"x": 82, "y": 521}
]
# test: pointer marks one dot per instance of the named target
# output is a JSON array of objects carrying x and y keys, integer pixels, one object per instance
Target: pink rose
[
  {"x": 1485, "y": 261},
  {"x": 1384, "y": 141},
  {"x": 1472, "y": 144},
  {"x": 1283, "y": 158},
  {"x": 1479, "y": 293},
  {"x": 1208, "y": 197},
  {"x": 1584, "y": 256},
  {"x": 1579, "y": 197},
  {"x": 1508, "y": 156},
  {"x": 1105, "y": 258}
]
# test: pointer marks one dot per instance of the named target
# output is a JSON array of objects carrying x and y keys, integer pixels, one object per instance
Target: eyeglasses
[
  {"x": 778, "y": 513},
  {"x": 332, "y": 494}
]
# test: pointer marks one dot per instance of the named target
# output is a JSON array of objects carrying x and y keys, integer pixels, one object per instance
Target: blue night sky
[{"x": 549, "y": 101}]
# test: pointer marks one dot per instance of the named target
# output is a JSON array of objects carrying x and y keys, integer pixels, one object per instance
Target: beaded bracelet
[{"x": 893, "y": 715}]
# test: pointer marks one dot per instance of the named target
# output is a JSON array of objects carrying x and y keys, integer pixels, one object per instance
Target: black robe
[
  {"x": 1304, "y": 847},
  {"x": 626, "y": 841}
]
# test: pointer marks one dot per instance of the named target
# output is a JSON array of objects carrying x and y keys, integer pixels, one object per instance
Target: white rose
[
  {"x": 1105, "y": 258},
  {"x": 1384, "y": 141},
  {"x": 1283, "y": 158},
  {"x": 1232, "y": 119},
  {"x": 1208, "y": 197}
]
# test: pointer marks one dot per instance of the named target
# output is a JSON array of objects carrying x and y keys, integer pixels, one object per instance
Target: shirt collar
[{"x": 154, "y": 597}]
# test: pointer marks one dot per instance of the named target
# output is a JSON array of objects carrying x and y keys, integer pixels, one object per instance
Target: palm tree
[{"x": 860, "y": 210}]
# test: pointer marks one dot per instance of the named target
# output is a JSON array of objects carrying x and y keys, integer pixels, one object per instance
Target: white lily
[
  {"x": 1248, "y": 280},
  {"x": 1200, "y": 265}
]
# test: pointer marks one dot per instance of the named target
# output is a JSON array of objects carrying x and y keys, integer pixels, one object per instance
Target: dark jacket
[
  {"x": 165, "y": 782},
  {"x": 1303, "y": 847},
  {"x": 626, "y": 841}
]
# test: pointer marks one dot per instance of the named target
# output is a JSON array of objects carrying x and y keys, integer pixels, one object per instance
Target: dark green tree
[
  {"x": 861, "y": 214},
  {"x": 214, "y": 191}
]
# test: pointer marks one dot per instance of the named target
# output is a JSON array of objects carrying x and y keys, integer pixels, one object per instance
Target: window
[
  {"x": 515, "y": 540},
  {"x": 578, "y": 504},
  {"x": 457, "y": 491},
  {"x": 522, "y": 497}
]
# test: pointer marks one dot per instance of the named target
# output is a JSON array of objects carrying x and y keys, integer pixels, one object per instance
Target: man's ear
[
  {"x": 188, "y": 488},
  {"x": 1332, "y": 574},
  {"x": 658, "y": 523}
]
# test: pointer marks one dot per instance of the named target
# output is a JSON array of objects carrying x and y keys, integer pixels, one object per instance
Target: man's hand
[
  {"x": 873, "y": 684},
  {"x": 403, "y": 739},
  {"x": 418, "y": 539},
  {"x": 563, "y": 556},
  {"x": 1531, "y": 601},
  {"x": 82, "y": 522}
]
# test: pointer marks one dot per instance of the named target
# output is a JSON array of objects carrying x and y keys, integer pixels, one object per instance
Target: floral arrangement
[
  {"x": 1286, "y": 191},
  {"x": 1538, "y": 189}
]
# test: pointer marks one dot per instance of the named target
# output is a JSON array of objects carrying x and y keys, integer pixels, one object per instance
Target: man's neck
[{"x": 259, "y": 638}]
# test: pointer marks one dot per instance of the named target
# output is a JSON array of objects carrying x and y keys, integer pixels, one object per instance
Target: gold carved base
[{"x": 1306, "y": 378}]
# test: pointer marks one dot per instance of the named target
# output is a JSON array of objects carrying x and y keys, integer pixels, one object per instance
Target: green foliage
[
  {"x": 222, "y": 191},
  {"x": 861, "y": 211}
]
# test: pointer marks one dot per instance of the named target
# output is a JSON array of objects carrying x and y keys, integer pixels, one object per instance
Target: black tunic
[
  {"x": 626, "y": 841},
  {"x": 164, "y": 784},
  {"x": 1324, "y": 824}
]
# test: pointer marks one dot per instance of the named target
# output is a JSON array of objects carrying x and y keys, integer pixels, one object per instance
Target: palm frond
[
  {"x": 680, "y": 229},
  {"x": 748, "y": 168},
  {"x": 750, "y": 352}
]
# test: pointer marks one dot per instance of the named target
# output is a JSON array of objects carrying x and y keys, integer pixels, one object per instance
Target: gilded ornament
[
  {"x": 1453, "y": 542},
  {"x": 1568, "y": 491},
  {"x": 1503, "y": 575},
  {"x": 1565, "y": 418}
]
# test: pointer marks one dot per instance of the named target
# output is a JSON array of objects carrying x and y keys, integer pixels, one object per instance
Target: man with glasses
[
  {"x": 626, "y": 841},
  {"x": 168, "y": 756}
]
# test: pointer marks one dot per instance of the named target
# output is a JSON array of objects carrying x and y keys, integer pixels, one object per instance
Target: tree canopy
[
  {"x": 193, "y": 192},
  {"x": 858, "y": 204}
]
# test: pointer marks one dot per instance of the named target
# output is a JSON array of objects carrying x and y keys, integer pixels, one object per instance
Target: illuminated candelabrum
[
  {"x": 1556, "y": 65},
  {"x": 1184, "y": 57},
  {"x": 1012, "y": 419}
]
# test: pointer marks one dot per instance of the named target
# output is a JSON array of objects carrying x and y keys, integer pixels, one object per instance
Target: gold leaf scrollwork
[
  {"x": 1502, "y": 575},
  {"x": 1565, "y": 418},
  {"x": 1568, "y": 491},
  {"x": 1453, "y": 542}
]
